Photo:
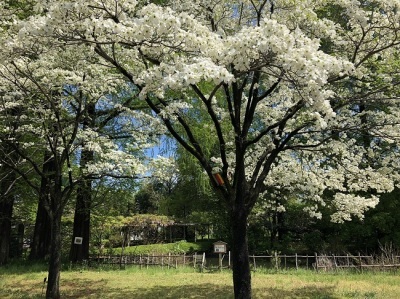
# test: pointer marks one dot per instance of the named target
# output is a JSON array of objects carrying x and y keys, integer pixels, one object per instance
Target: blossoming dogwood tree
[
  {"x": 300, "y": 93},
  {"x": 51, "y": 95}
]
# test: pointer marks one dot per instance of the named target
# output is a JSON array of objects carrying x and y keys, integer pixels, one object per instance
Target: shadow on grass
[
  {"x": 88, "y": 289},
  {"x": 311, "y": 292}
]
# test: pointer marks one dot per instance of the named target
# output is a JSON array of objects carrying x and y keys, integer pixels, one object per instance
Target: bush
[{"x": 179, "y": 247}]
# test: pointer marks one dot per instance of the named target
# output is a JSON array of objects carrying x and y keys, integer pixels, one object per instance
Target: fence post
[
  {"x": 360, "y": 261},
  {"x": 169, "y": 259},
  {"x": 276, "y": 261},
  {"x": 316, "y": 261},
  {"x": 254, "y": 263},
  {"x": 297, "y": 265},
  {"x": 285, "y": 261},
  {"x": 307, "y": 261},
  {"x": 334, "y": 262}
]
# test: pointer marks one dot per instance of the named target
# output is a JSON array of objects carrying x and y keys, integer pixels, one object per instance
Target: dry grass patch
[
  {"x": 148, "y": 284},
  {"x": 21, "y": 285},
  {"x": 327, "y": 285}
]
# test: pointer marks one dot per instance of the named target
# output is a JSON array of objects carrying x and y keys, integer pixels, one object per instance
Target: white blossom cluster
[
  {"x": 52, "y": 86},
  {"x": 164, "y": 170}
]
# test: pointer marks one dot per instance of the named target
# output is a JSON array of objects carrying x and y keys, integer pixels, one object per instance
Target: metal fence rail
[
  {"x": 317, "y": 262},
  {"x": 324, "y": 262},
  {"x": 163, "y": 260}
]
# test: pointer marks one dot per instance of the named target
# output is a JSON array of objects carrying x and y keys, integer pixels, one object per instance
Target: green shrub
[{"x": 179, "y": 247}]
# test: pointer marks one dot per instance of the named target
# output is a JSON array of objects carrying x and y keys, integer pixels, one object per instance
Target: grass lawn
[{"x": 27, "y": 282}]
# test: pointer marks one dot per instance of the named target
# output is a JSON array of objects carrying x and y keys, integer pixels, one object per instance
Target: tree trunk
[
  {"x": 40, "y": 245},
  {"x": 55, "y": 208},
  {"x": 80, "y": 252},
  {"x": 53, "y": 284},
  {"x": 240, "y": 254},
  {"x": 7, "y": 187},
  {"x": 281, "y": 229},
  {"x": 17, "y": 242},
  {"x": 6, "y": 209}
]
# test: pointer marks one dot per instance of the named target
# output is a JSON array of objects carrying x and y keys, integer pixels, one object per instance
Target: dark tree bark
[
  {"x": 80, "y": 252},
  {"x": 281, "y": 229},
  {"x": 7, "y": 186},
  {"x": 6, "y": 210},
  {"x": 53, "y": 284},
  {"x": 40, "y": 245},
  {"x": 55, "y": 203},
  {"x": 17, "y": 243},
  {"x": 239, "y": 213},
  {"x": 240, "y": 254},
  {"x": 277, "y": 228}
]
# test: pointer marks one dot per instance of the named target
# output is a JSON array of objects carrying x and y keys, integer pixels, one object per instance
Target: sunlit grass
[{"x": 155, "y": 282}]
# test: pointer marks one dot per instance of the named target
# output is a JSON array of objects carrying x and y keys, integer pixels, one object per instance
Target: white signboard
[
  {"x": 219, "y": 248},
  {"x": 78, "y": 240}
]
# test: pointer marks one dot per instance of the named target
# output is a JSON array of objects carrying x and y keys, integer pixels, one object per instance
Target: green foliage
[
  {"x": 109, "y": 231},
  {"x": 179, "y": 247},
  {"x": 112, "y": 197},
  {"x": 297, "y": 232},
  {"x": 22, "y": 9},
  {"x": 148, "y": 199}
]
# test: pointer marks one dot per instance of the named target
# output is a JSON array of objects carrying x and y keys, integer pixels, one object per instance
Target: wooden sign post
[{"x": 220, "y": 248}]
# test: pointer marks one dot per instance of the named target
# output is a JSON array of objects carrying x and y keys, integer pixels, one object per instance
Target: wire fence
[
  {"x": 143, "y": 260},
  {"x": 325, "y": 262},
  {"x": 317, "y": 262}
]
